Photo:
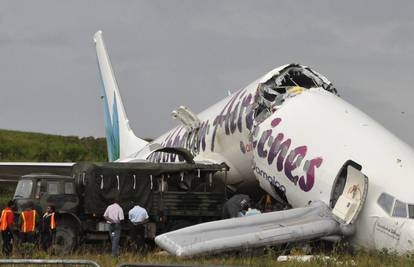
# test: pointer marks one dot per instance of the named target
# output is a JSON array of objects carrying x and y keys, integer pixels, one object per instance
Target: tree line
[{"x": 39, "y": 147}]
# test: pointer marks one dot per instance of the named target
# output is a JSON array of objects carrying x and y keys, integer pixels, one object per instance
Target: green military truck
[{"x": 174, "y": 194}]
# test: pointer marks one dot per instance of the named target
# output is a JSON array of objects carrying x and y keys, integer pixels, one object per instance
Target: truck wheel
[{"x": 66, "y": 237}]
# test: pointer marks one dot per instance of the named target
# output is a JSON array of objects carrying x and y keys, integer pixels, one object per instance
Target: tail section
[{"x": 120, "y": 139}]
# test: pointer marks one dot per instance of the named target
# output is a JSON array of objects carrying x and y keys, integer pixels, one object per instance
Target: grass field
[{"x": 101, "y": 254}]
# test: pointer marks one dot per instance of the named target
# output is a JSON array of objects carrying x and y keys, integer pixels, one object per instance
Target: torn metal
[{"x": 288, "y": 82}]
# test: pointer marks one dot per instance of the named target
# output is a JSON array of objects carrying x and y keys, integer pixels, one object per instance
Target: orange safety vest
[
  {"x": 4, "y": 224},
  {"x": 52, "y": 220},
  {"x": 28, "y": 221}
]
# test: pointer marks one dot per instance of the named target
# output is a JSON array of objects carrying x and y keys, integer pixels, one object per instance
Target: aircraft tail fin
[{"x": 120, "y": 138}]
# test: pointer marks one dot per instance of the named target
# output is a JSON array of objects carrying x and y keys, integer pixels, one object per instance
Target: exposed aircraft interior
[{"x": 289, "y": 82}]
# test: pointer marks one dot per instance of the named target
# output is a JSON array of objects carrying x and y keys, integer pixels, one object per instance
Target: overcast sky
[{"x": 171, "y": 53}]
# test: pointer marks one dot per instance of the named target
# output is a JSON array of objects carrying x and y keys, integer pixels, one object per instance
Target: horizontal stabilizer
[{"x": 241, "y": 233}]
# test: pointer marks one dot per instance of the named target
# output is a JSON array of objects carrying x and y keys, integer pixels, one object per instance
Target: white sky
[{"x": 172, "y": 53}]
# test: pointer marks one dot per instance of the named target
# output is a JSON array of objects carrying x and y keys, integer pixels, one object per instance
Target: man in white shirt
[
  {"x": 138, "y": 216},
  {"x": 114, "y": 215}
]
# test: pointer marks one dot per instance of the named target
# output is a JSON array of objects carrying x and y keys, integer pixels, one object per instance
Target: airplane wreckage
[
  {"x": 290, "y": 133},
  {"x": 343, "y": 175},
  {"x": 315, "y": 220}
]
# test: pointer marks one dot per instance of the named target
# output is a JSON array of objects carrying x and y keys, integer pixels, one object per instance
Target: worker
[
  {"x": 252, "y": 211},
  {"x": 48, "y": 228},
  {"x": 28, "y": 222},
  {"x": 244, "y": 207},
  {"x": 114, "y": 215},
  {"x": 138, "y": 216},
  {"x": 247, "y": 210},
  {"x": 6, "y": 222},
  {"x": 232, "y": 207}
]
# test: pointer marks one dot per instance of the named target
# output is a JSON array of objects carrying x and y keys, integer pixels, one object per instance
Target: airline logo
[
  {"x": 275, "y": 148},
  {"x": 111, "y": 124}
]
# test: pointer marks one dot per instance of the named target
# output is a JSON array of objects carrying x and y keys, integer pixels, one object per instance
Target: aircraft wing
[
  {"x": 300, "y": 224},
  {"x": 12, "y": 171}
]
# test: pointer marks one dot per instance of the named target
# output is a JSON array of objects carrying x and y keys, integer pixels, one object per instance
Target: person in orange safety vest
[
  {"x": 6, "y": 222},
  {"x": 28, "y": 222},
  {"x": 48, "y": 230}
]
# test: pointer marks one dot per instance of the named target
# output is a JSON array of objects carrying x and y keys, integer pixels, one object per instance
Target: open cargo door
[{"x": 352, "y": 199}]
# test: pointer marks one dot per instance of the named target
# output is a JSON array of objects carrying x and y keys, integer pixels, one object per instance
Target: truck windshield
[{"x": 23, "y": 189}]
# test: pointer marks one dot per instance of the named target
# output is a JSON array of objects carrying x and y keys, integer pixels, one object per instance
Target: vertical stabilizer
[{"x": 120, "y": 139}]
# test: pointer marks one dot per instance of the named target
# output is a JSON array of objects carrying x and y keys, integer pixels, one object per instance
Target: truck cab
[{"x": 42, "y": 190}]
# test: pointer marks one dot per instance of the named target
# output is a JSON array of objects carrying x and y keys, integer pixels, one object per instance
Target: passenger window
[
  {"x": 386, "y": 202},
  {"x": 52, "y": 188},
  {"x": 69, "y": 189},
  {"x": 400, "y": 209}
]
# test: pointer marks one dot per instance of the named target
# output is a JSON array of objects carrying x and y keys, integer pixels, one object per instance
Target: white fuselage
[{"x": 301, "y": 147}]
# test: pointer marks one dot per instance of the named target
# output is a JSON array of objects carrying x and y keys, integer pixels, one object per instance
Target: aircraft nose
[
  {"x": 394, "y": 234},
  {"x": 407, "y": 236}
]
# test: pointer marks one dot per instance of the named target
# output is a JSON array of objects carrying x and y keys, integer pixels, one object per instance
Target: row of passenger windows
[{"x": 394, "y": 207}]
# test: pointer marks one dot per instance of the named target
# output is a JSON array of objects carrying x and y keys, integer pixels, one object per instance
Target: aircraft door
[{"x": 350, "y": 201}]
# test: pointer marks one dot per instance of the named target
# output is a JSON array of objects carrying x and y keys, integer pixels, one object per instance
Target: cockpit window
[
  {"x": 386, "y": 202},
  {"x": 395, "y": 207},
  {"x": 411, "y": 211},
  {"x": 400, "y": 209}
]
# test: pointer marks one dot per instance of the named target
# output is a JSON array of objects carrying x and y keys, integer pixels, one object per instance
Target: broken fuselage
[{"x": 291, "y": 131}]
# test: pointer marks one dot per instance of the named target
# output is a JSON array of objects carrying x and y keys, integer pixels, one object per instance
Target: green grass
[
  {"x": 6, "y": 193},
  {"x": 102, "y": 256}
]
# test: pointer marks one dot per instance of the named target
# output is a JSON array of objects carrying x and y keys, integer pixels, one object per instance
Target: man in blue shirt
[{"x": 138, "y": 216}]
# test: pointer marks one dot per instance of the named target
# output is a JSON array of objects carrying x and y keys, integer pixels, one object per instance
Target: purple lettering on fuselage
[
  {"x": 230, "y": 119},
  {"x": 306, "y": 184},
  {"x": 287, "y": 162},
  {"x": 233, "y": 114}
]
